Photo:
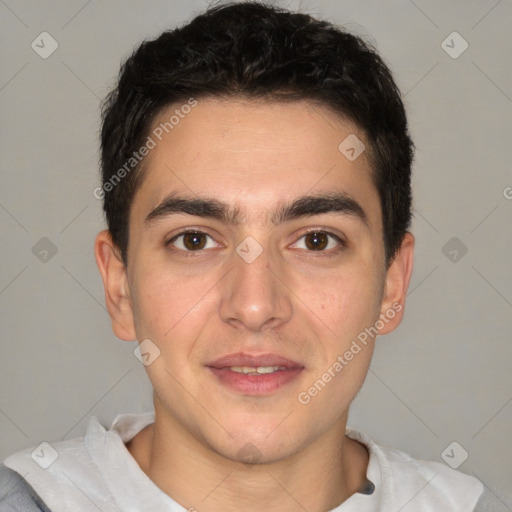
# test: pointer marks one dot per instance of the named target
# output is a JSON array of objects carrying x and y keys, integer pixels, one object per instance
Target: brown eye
[
  {"x": 320, "y": 241},
  {"x": 316, "y": 241},
  {"x": 194, "y": 241}
]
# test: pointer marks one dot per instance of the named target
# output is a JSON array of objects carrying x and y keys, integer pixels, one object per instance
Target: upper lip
[{"x": 254, "y": 361}]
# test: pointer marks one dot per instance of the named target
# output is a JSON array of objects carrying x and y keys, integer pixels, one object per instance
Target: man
[{"x": 256, "y": 183}]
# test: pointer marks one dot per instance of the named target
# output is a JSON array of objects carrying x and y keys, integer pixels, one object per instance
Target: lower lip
[{"x": 255, "y": 384}]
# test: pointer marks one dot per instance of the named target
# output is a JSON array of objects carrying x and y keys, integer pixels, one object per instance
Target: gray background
[{"x": 443, "y": 376}]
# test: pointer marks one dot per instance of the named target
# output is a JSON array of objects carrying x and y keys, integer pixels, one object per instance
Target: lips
[
  {"x": 255, "y": 361},
  {"x": 237, "y": 373}
]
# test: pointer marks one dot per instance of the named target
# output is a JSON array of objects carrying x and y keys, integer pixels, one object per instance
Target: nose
[{"x": 255, "y": 295}]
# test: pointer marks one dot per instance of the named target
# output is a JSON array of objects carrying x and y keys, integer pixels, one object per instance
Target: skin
[{"x": 303, "y": 303}]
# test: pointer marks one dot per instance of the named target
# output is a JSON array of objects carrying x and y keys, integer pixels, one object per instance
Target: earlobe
[
  {"x": 115, "y": 283},
  {"x": 398, "y": 277}
]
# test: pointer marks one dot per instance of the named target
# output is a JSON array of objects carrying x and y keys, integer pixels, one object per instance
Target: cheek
[
  {"x": 162, "y": 301},
  {"x": 345, "y": 307},
  {"x": 346, "y": 301}
]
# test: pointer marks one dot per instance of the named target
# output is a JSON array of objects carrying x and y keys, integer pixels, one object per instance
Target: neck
[{"x": 318, "y": 478}]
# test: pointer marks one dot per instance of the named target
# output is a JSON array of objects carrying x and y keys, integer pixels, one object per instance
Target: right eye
[{"x": 192, "y": 241}]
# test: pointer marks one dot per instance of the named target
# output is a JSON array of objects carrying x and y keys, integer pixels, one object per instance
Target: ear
[
  {"x": 398, "y": 277},
  {"x": 115, "y": 282}
]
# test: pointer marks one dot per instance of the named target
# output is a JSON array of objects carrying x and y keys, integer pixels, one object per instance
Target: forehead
[{"x": 253, "y": 154}]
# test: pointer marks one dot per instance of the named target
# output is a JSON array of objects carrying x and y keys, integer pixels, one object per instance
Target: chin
[{"x": 259, "y": 443}]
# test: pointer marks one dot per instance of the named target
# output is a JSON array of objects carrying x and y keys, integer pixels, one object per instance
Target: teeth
[{"x": 260, "y": 370}]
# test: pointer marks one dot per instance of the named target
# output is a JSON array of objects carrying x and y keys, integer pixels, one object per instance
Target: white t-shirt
[{"x": 98, "y": 472}]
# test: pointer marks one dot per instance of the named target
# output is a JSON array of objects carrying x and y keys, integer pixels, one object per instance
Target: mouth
[{"x": 255, "y": 374}]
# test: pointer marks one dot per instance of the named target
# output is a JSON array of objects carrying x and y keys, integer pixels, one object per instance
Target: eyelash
[{"x": 342, "y": 243}]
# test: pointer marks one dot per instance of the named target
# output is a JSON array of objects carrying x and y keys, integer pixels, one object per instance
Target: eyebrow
[{"x": 304, "y": 206}]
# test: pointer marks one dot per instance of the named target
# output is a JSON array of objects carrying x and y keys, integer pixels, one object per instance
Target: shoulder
[
  {"x": 56, "y": 473},
  {"x": 69, "y": 475},
  {"x": 16, "y": 494},
  {"x": 489, "y": 502},
  {"x": 421, "y": 485}
]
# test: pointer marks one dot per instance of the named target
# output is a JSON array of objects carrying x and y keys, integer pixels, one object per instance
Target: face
[{"x": 255, "y": 242}]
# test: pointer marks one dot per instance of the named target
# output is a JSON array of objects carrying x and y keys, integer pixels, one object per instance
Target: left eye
[
  {"x": 192, "y": 241},
  {"x": 318, "y": 241}
]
